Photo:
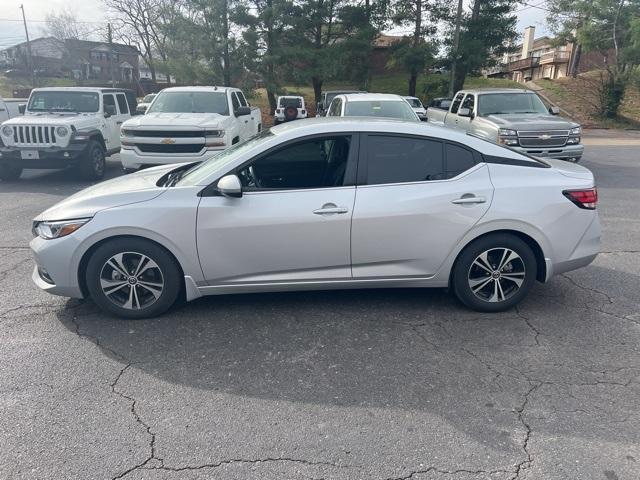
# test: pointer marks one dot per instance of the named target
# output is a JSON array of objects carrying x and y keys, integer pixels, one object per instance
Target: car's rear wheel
[
  {"x": 133, "y": 278},
  {"x": 10, "y": 173},
  {"x": 494, "y": 273},
  {"x": 93, "y": 165}
]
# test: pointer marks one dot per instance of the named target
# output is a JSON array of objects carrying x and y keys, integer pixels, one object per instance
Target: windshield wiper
[
  {"x": 525, "y": 112},
  {"x": 495, "y": 113}
]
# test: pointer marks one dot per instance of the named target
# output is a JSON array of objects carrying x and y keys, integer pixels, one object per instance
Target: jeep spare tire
[{"x": 290, "y": 113}]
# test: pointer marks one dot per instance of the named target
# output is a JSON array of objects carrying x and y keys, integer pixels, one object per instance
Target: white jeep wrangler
[
  {"x": 66, "y": 126},
  {"x": 289, "y": 107}
]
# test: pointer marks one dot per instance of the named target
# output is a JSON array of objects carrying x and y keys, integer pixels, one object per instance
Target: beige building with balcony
[{"x": 534, "y": 58}]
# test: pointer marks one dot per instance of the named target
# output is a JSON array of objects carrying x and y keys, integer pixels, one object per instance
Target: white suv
[
  {"x": 289, "y": 108},
  {"x": 67, "y": 126}
]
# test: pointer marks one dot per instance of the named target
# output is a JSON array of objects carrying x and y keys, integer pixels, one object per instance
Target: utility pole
[
  {"x": 29, "y": 58},
  {"x": 110, "y": 40},
  {"x": 456, "y": 46}
]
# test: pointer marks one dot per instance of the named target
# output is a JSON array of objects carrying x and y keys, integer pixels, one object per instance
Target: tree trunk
[
  {"x": 458, "y": 78},
  {"x": 575, "y": 61},
  {"x": 413, "y": 80},
  {"x": 271, "y": 96},
  {"x": 317, "y": 89},
  {"x": 226, "y": 69}
]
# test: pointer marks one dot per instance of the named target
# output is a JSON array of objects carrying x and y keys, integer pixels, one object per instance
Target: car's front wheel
[
  {"x": 133, "y": 278},
  {"x": 494, "y": 273},
  {"x": 92, "y": 167}
]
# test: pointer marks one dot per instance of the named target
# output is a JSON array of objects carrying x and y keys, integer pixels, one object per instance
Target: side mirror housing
[
  {"x": 109, "y": 110},
  {"x": 230, "y": 186},
  {"x": 240, "y": 111},
  {"x": 464, "y": 112},
  {"x": 554, "y": 110},
  {"x": 22, "y": 108}
]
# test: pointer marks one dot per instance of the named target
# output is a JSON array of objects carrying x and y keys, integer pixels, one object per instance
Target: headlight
[
  {"x": 51, "y": 230},
  {"x": 507, "y": 132},
  {"x": 7, "y": 131},
  {"x": 62, "y": 131},
  {"x": 214, "y": 133},
  {"x": 125, "y": 132},
  {"x": 576, "y": 131}
]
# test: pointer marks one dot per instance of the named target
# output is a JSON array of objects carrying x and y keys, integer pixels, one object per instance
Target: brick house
[
  {"x": 381, "y": 53},
  {"x": 79, "y": 59}
]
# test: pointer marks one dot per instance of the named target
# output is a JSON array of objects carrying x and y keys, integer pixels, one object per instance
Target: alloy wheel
[
  {"x": 131, "y": 280},
  {"x": 496, "y": 275}
]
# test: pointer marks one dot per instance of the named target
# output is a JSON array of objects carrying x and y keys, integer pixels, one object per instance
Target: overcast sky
[{"x": 92, "y": 12}]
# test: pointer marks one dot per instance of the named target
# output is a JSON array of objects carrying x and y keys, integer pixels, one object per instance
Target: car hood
[
  {"x": 532, "y": 121},
  {"x": 176, "y": 120},
  {"x": 133, "y": 188},
  {"x": 54, "y": 119}
]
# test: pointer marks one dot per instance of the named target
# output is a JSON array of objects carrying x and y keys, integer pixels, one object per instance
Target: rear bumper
[
  {"x": 131, "y": 159},
  {"x": 568, "y": 151},
  {"x": 53, "y": 157},
  {"x": 585, "y": 251}
]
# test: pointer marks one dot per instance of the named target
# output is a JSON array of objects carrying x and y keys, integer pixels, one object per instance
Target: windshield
[
  {"x": 506, "y": 103},
  {"x": 290, "y": 102},
  {"x": 190, "y": 102},
  {"x": 414, "y": 102},
  {"x": 203, "y": 170},
  {"x": 373, "y": 108},
  {"x": 148, "y": 98},
  {"x": 62, "y": 101}
]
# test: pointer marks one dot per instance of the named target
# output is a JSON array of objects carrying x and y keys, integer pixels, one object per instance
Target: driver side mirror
[
  {"x": 230, "y": 186},
  {"x": 240, "y": 111},
  {"x": 554, "y": 110},
  {"x": 464, "y": 112},
  {"x": 21, "y": 108}
]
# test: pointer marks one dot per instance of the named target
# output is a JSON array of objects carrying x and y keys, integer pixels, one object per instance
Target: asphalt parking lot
[{"x": 373, "y": 384}]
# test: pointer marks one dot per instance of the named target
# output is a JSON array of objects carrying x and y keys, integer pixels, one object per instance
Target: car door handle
[
  {"x": 330, "y": 209},
  {"x": 118, "y": 123},
  {"x": 468, "y": 200}
]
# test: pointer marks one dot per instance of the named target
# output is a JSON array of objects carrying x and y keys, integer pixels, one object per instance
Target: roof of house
[
  {"x": 116, "y": 47},
  {"x": 385, "y": 41}
]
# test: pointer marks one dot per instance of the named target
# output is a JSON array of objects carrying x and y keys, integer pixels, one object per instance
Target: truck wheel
[
  {"x": 9, "y": 173},
  {"x": 92, "y": 166}
]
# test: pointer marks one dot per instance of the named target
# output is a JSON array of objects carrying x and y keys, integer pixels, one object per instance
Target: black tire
[
  {"x": 10, "y": 173},
  {"x": 487, "y": 297},
  {"x": 92, "y": 166},
  {"x": 134, "y": 299}
]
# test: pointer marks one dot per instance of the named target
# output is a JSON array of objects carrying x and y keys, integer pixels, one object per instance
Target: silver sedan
[{"x": 324, "y": 204}]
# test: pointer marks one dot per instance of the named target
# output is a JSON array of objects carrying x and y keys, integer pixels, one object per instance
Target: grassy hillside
[{"x": 577, "y": 97}]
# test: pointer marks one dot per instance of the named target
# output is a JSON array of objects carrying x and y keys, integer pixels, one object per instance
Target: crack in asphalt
[
  {"x": 250, "y": 461},
  {"x": 530, "y": 325},
  {"x": 526, "y": 464},
  {"x": 138, "y": 419},
  {"x": 447, "y": 472}
]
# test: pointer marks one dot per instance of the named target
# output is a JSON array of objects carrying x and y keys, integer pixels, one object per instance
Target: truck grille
[
  {"x": 164, "y": 133},
  {"x": 171, "y": 148},
  {"x": 543, "y": 138},
  {"x": 34, "y": 135}
]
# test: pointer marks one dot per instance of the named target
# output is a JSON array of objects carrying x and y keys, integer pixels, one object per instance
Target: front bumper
[
  {"x": 51, "y": 157},
  {"x": 568, "y": 151},
  {"x": 133, "y": 160},
  {"x": 55, "y": 258}
]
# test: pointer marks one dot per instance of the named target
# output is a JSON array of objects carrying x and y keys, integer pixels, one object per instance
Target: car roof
[
  {"x": 368, "y": 97},
  {"x": 497, "y": 90},
  {"x": 80, "y": 89},
  {"x": 212, "y": 88},
  {"x": 339, "y": 92},
  {"x": 330, "y": 125}
]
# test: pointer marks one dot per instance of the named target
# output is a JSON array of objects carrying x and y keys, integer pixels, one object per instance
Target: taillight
[{"x": 586, "y": 198}]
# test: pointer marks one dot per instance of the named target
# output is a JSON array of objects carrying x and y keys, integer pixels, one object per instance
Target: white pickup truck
[
  {"x": 65, "y": 126},
  {"x": 513, "y": 117},
  {"x": 10, "y": 108},
  {"x": 187, "y": 124}
]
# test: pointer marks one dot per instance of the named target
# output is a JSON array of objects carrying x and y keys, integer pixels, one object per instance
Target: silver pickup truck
[{"x": 516, "y": 118}]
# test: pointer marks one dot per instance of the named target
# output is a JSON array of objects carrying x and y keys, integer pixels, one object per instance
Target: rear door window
[
  {"x": 458, "y": 160},
  {"x": 122, "y": 103},
  {"x": 400, "y": 159}
]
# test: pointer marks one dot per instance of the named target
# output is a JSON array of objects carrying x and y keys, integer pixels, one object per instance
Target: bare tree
[
  {"x": 138, "y": 22},
  {"x": 64, "y": 25}
]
